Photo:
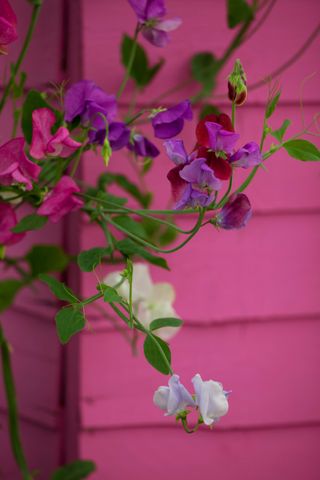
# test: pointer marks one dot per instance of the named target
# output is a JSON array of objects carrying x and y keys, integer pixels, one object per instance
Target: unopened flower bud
[{"x": 237, "y": 84}]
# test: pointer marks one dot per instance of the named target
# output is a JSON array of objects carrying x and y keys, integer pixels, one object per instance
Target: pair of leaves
[
  {"x": 141, "y": 71},
  {"x": 129, "y": 248}
]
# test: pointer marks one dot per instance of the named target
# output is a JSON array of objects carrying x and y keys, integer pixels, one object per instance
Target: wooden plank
[{"x": 270, "y": 368}]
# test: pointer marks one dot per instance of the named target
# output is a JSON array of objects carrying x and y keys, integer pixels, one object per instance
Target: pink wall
[{"x": 251, "y": 311}]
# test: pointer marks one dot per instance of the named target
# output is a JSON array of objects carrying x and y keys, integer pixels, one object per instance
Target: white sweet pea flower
[
  {"x": 149, "y": 300},
  {"x": 210, "y": 398},
  {"x": 174, "y": 398}
]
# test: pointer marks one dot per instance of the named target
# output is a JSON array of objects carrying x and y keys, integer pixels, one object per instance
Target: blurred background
[{"x": 250, "y": 299}]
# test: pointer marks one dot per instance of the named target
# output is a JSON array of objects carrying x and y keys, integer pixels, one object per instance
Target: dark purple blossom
[
  {"x": 142, "y": 147},
  {"x": 247, "y": 156},
  {"x": 169, "y": 123},
  {"x": 118, "y": 134},
  {"x": 150, "y": 14},
  {"x": 236, "y": 213},
  {"x": 221, "y": 140},
  {"x": 86, "y": 100}
]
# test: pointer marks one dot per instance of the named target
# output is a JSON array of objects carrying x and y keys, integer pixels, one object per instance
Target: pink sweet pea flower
[
  {"x": 8, "y": 24},
  {"x": 15, "y": 167},
  {"x": 61, "y": 201},
  {"x": 8, "y": 220},
  {"x": 44, "y": 143}
]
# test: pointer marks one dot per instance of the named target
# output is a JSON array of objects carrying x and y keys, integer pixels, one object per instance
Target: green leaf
[
  {"x": 302, "y": 150},
  {"x": 131, "y": 225},
  {"x": 59, "y": 289},
  {"x": 46, "y": 259},
  {"x": 165, "y": 322},
  {"x": 89, "y": 259},
  {"x": 8, "y": 290},
  {"x": 152, "y": 347},
  {"x": 69, "y": 321},
  {"x": 128, "y": 248},
  {"x": 279, "y": 134},
  {"x": 30, "y": 222},
  {"x": 238, "y": 12},
  {"x": 74, "y": 471},
  {"x": 33, "y": 101},
  {"x": 204, "y": 67},
  {"x": 208, "y": 109},
  {"x": 123, "y": 182},
  {"x": 141, "y": 72},
  {"x": 110, "y": 294},
  {"x": 271, "y": 105}
]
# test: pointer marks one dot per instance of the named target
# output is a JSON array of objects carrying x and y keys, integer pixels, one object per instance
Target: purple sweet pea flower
[
  {"x": 8, "y": 220},
  {"x": 169, "y": 123},
  {"x": 247, "y": 156},
  {"x": 150, "y": 14},
  {"x": 199, "y": 173},
  {"x": 44, "y": 143},
  {"x": 61, "y": 200},
  {"x": 87, "y": 100},
  {"x": 192, "y": 197},
  {"x": 236, "y": 213},
  {"x": 176, "y": 151},
  {"x": 220, "y": 139},
  {"x": 118, "y": 136},
  {"x": 142, "y": 147},
  {"x": 8, "y": 25},
  {"x": 15, "y": 167},
  {"x": 210, "y": 398},
  {"x": 174, "y": 398}
]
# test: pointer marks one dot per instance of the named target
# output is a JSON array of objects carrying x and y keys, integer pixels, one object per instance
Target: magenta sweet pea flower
[
  {"x": 150, "y": 14},
  {"x": 86, "y": 100},
  {"x": 169, "y": 123},
  {"x": 247, "y": 156},
  {"x": 15, "y": 167},
  {"x": 8, "y": 220},
  {"x": 142, "y": 147},
  {"x": 236, "y": 213},
  {"x": 61, "y": 200},
  {"x": 8, "y": 25},
  {"x": 44, "y": 143},
  {"x": 221, "y": 140}
]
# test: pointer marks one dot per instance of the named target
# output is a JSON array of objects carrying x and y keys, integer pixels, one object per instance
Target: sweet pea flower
[
  {"x": 8, "y": 220},
  {"x": 221, "y": 140},
  {"x": 86, "y": 100},
  {"x": 236, "y": 213},
  {"x": 202, "y": 133},
  {"x": 150, "y": 14},
  {"x": 61, "y": 200},
  {"x": 149, "y": 300},
  {"x": 44, "y": 143},
  {"x": 176, "y": 152},
  {"x": 247, "y": 156},
  {"x": 169, "y": 123},
  {"x": 210, "y": 398},
  {"x": 8, "y": 25},
  {"x": 15, "y": 167},
  {"x": 142, "y": 147},
  {"x": 198, "y": 172},
  {"x": 118, "y": 134},
  {"x": 191, "y": 197},
  {"x": 173, "y": 399},
  {"x": 221, "y": 167}
]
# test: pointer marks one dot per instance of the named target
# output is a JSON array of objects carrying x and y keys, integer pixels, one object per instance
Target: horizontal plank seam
[{"x": 27, "y": 418}]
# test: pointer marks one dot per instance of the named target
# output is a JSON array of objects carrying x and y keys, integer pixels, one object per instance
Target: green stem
[
  {"x": 224, "y": 199},
  {"x": 130, "y": 63},
  {"x": 10, "y": 390},
  {"x": 16, "y": 67},
  {"x": 233, "y": 114}
]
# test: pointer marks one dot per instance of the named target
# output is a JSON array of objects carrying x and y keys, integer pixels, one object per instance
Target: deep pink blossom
[
  {"x": 8, "y": 220},
  {"x": 8, "y": 25},
  {"x": 44, "y": 143},
  {"x": 61, "y": 200},
  {"x": 15, "y": 167}
]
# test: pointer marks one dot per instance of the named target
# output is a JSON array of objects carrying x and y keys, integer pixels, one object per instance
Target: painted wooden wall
[{"x": 250, "y": 299}]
